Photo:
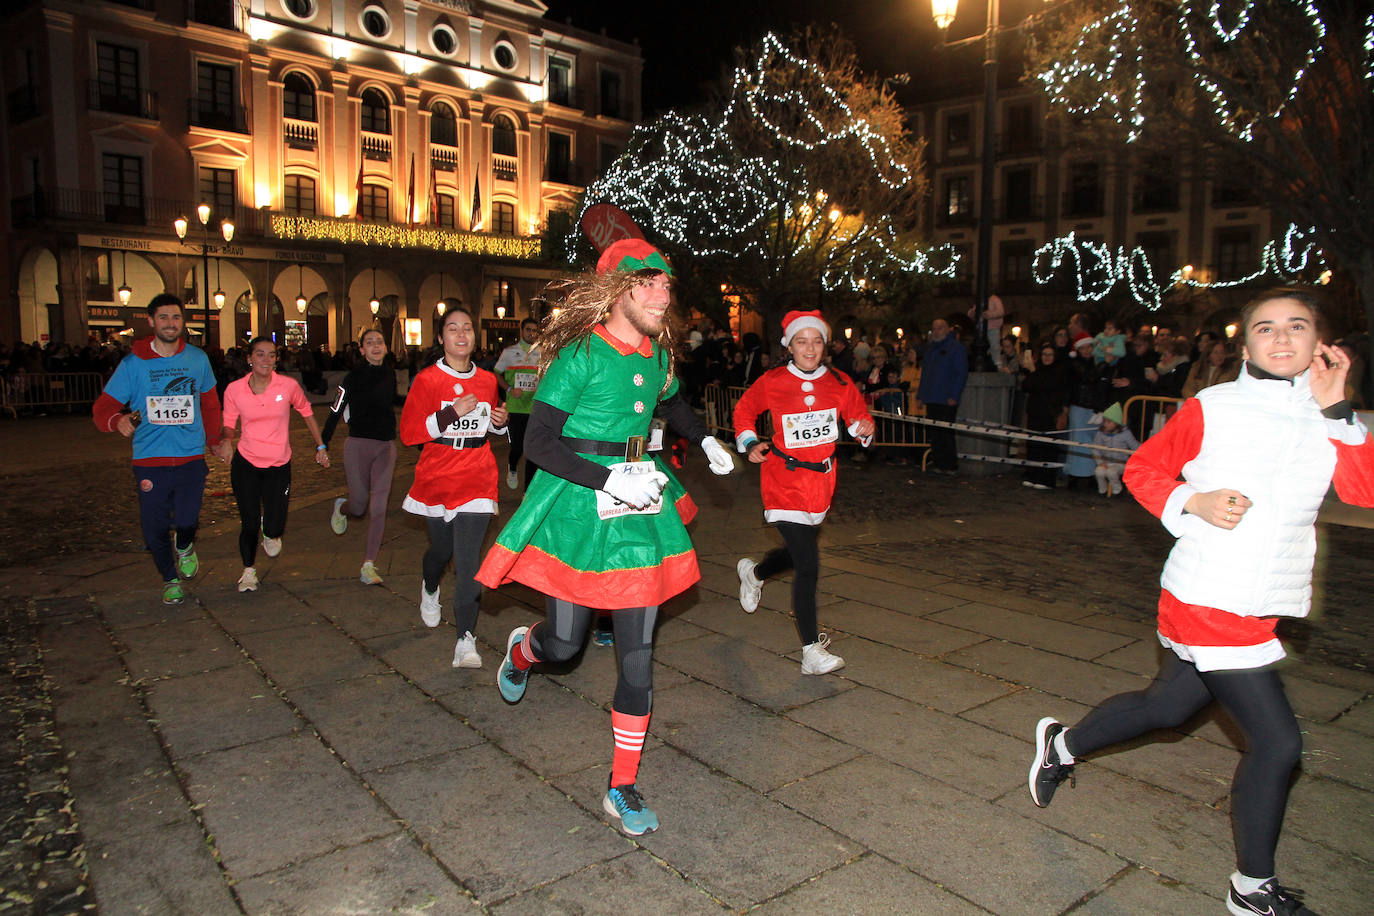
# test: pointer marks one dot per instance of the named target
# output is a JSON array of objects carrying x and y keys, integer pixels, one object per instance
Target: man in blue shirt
[
  {"x": 162, "y": 396},
  {"x": 944, "y": 371}
]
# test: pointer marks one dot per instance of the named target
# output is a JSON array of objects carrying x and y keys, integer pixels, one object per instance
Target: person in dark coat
[{"x": 1047, "y": 410}]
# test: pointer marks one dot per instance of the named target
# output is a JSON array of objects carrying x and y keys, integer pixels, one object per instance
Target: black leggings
[
  {"x": 261, "y": 494},
  {"x": 801, "y": 553},
  {"x": 1254, "y": 698},
  {"x": 564, "y": 629},
  {"x": 461, "y": 540}
]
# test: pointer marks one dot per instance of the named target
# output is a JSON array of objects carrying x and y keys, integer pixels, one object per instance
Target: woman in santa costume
[
  {"x": 450, "y": 409},
  {"x": 602, "y": 527},
  {"x": 808, "y": 404},
  {"x": 1256, "y": 457}
]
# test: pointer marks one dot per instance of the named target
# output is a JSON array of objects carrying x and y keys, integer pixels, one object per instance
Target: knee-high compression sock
[
  {"x": 522, "y": 656},
  {"x": 629, "y": 744}
]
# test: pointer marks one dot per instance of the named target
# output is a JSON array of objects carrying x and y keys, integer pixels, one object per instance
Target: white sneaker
[
  {"x": 429, "y": 606},
  {"x": 750, "y": 588},
  {"x": 465, "y": 653},
  {"x": 248, "y": 582},
  {"x": 512, "y": 479},
  {"x": 816, "y": 660},
  {"x": 368, "y": 574},
  {"x": 271, "y": 546},
  {"x": 338, "y": 522}
]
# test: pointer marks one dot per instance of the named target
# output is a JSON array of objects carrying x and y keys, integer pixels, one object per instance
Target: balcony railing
[
  {"x": 376, "y": 146},
  {"x": 300, "y": 134},
  {"x": 1084, "y": 202},
  {"x": 201, "y": 113},
  {"x": 444, "y": 158},
  {"x": 22, "y": 104},
  {"x": 504, "y": 168},
  {"x": 569, "y": 173},
  {"x": 137, "y": 103},
  {"x": 57, "y": 204}
]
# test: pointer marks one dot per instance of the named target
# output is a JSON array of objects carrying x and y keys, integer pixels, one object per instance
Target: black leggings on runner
[
  {"x": 459, "y": 538},
  {"x": 1254, "y": 698},
  {"x": 802, "y": 554},
  {"x": 261, "y": 494},
  {"x": 564, "y": 629}
]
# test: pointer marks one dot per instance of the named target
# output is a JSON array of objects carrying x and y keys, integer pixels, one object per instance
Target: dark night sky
[{"x": 687, "y": 44}]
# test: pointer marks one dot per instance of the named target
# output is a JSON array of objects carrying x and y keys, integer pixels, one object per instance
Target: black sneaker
[
  {"x": 1046, "y": 772},
  {"x": 1272, "y": 899}
]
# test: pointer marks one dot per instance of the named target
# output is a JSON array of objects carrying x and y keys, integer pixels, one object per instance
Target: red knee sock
[
  {"x": 629, "y": 744},
  {"x": 522, "y": 656}
]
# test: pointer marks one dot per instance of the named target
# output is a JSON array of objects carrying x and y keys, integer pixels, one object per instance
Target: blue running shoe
[
  {"x": 603, "y": 638},
  {"x": 625, "y": 805},
  {"x": 512, "y": 680}
]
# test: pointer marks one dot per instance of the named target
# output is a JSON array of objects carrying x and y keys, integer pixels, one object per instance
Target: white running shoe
[
  {"x": 512, "y": 479},
  {"x": 248, "y": 582},
  {"x": 816, "y": 660},
  {"x": 368, "y": 574},
  {"x": 750, "y": 588},
  {"x": 465, "y": 653},
  {"x": 271, "y": 546},
  {"x": 338, "y": 522},
  {"x": 429, "y": 606}
]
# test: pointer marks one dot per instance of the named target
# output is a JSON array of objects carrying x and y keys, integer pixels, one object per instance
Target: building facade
[
  {"x": 374, "y": 158},
  {"x": 1048, "y": 184}
]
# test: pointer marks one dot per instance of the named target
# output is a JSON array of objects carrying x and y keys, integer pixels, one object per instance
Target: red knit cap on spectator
[
  {"x": 630, "y": 255},
  {"x": 793, "y": 322},
  {"x": 1081, "y": 338}
]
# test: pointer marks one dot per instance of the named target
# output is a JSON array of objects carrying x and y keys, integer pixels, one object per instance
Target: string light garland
[
  {"x": 392, "y": 235},
  {"x": 1098, "y": 268},
  {"x": 685, "y": 176},
  {"x": 1369, "y": 47},
  {"x": 1106, "y": 65}
]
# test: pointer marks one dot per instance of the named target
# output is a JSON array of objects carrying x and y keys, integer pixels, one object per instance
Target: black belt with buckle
[
  {"x": 461, "y": 443},
  {"x": 792, "y": 463},
  {"x": 631, "y": 449}
]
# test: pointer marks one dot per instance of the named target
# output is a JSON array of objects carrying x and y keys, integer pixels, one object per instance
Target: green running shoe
[
  {"x": 188, "y": 564},
  {"x": 172, "y": 593}
]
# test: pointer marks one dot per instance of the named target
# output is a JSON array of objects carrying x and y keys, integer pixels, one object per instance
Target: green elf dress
[{"x": 557, "y": 542}]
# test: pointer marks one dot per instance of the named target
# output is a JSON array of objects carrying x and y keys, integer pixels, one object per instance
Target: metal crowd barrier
[
  {"x": 49, "y": 390},
  {"x": 1149, "y": 406},
  {"x": 720, "y": 407}
]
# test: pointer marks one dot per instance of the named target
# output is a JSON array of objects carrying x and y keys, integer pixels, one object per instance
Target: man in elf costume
[
  {"x": 603, "y": 527},
  {"x": 517, "y": 371}
]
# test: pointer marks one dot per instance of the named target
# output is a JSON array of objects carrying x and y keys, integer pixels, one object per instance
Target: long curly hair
[{"x": 584, "y": 301}]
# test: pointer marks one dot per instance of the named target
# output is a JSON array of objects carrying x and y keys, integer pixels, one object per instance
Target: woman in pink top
[{"x": 260, "y": 471}]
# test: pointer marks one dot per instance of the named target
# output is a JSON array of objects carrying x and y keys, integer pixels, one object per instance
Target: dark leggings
[
  {"x": 564, "y": 629},
  {"x": 800, "y": 553},
  {"x": 1254, "y": 698},
  {"x": 461, "y": 540},
  {"x": 261, "y": 494},
  {"x": 516, "y": 424}
]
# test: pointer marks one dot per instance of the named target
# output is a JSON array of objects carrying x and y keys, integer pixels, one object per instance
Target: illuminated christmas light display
[
  {"x": 392, "y": 235},
  {"x": 1100, "y": 70},
  {"x": 684, "y": 176},
  {"x": 1098, "y": 268}
]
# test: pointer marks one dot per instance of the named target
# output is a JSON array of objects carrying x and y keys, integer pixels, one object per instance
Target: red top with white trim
[
  {"x": 808, "y": 412},
  {"x": 448, "y": 480}
]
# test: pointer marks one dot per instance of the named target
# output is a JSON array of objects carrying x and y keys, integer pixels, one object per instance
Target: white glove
[
  {"x": 637, "y": 490},
  {"x": 718, "y": 456}
]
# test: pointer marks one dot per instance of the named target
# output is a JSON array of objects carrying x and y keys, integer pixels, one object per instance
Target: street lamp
[
  {"x": 943, "y": 11},
  {"x": 180, "y": 224},
  {"x": 125, "y": 291},
  {"x": 300, "y": 289},
  {"x": 373, "y": 303}
]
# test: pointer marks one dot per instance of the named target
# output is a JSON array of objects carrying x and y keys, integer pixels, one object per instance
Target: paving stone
[
  {"x": 1337, "y": 754},
  {"x": 931, "y": 683},
  {"x": 948, "y": 837},
  {"x": 1015, "y": 602},
  {"x": 387, "y": 875},
  {"x": 945, "y": 747},
  {"x": 625, "y": 884},
  {"x": 1359, "y": 718},
  {"x": 765, "y": 628},
  {"x": 870, "y": 884},
  {"x": 726, "y": 733},
  {"x": 156, "y": 869},
  {"x": 124, "y": 608},
  {"x": 918, "y": 580},
  {"x": 271, "y": 607},
  {"x": 749, "y": 672},
  {"x": 218, "y": 709},
  {"x": 1137, "y": 890},
  {"x": 1334, "y": 881},
  {"x": 312, "y": 654},
  {"x": 907, "y": 599},
  {"x": 892, "y": 628},
  {"x": 291, "y": 783},
  {"x": 358, "y": 717},
  {"x": 425, "y": 658},
  {"x": 1317, "y": 701},
  {"x": 492, "y": 823},
  {"x": 362, "y": 612},
  {"x": 706, "y": 822},
  {"x": 1047, "y": 671},
  {"x": 1071, "y": 639},
  {"x": 1332, "y": 814},
  {"x": 1141, "y": 656},
  {"x": 173, "y": 649}
]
